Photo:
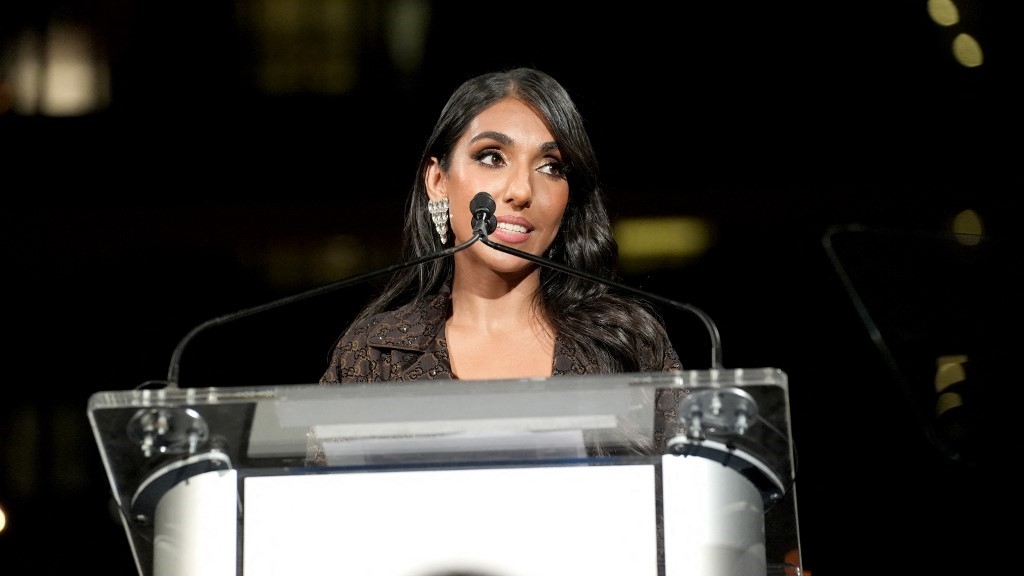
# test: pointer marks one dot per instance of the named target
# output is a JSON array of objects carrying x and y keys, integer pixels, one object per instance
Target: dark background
[{"x": 125, "y": 228}]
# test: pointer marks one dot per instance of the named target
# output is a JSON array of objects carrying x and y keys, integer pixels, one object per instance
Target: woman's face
[{"x": 508, "y": 152}]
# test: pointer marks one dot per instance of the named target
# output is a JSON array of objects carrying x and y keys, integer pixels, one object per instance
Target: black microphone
[{"x": 483, "y": 206}]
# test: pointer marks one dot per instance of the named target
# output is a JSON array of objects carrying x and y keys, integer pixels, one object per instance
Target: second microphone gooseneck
[{"x": 484, "y": 223}]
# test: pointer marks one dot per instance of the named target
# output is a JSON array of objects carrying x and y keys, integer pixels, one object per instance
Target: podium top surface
[{"x": 289, "y": 428}]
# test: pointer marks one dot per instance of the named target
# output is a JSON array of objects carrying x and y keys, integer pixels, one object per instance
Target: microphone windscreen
[{"x": 482, "y": 201}]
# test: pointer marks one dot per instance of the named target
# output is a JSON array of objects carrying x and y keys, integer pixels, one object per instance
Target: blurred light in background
[
  {"x": 964, "y": 46},
  {"x": 306, "y": 46},
  {"x": 58, "y": 73},
  {"x": 317, "y": 47},
  {"x": 943, "y": 12},
  {"x": 299, "y": 265},
  {"x": 968, "y": 227},
  {"x": 967, "y": 51},
  {"x": 406, "y": 32},
  {"x": 650, "y": 243},
  {"x": 949, "y": 371},
  {"x": 297, "y": 47}
]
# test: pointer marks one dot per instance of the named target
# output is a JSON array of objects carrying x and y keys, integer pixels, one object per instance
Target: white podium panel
[
  {"x": 196, "y": 523},
  {"x": 714, "y": 520},
  {"x": 545, "y": 521}
]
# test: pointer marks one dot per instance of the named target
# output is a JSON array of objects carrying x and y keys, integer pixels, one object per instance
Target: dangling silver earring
[{"x": 439, "y": 214}]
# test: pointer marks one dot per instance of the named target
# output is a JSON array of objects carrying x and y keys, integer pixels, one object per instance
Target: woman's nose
[{"x": 518, "y": 191}]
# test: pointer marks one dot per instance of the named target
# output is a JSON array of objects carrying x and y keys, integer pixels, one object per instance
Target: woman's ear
[{"x": 433, "y": 177}]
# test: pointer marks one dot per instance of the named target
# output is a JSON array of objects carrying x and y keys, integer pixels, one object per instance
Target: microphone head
[
  {"x": 482, "y": 201},
  {"x": 482, "y": 206}
]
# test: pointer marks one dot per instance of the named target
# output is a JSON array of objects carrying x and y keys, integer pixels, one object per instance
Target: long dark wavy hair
[{"x": 616, "y": 332}]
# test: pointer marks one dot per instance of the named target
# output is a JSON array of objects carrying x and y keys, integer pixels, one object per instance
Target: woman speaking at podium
[{"x": 480, "y": 313}]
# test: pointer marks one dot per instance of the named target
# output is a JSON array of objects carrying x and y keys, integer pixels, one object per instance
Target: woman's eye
[
  {"x": 489, "y": 158},
  {"x": 553, "y": 168}
]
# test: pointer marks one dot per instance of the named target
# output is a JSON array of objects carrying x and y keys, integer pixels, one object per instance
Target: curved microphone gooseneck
[
  {"x": 486, "y": 226},
  {"x": 483, "y": 207}
]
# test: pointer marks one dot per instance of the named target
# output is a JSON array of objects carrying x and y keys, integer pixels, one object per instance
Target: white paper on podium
[{"x": 540, "y": 521}]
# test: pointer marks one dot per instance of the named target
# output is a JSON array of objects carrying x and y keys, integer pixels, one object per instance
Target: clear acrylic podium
[{"x": 663, "y": 474}]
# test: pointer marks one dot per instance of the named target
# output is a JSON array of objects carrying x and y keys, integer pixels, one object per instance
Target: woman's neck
[
  {"x": 495, "y": 302},
  {"x": 497, "y": 330}
]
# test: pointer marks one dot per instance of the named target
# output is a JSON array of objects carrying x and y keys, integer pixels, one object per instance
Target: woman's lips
[{"x": 512, "y": 229}]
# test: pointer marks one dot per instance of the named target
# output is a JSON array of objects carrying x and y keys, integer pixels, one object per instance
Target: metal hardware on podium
[
  {"x": 712, "y": 420},
  {"x": 176, "y": 444},
  {"x": 168, "y": 431},
  {"x": 720, "y": 411}
]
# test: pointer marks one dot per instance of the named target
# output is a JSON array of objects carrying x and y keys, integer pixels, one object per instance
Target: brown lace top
[{"x": 409, "y": 343}]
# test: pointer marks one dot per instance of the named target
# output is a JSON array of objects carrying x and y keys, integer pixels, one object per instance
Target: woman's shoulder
[{"x": 416, "y": 310}]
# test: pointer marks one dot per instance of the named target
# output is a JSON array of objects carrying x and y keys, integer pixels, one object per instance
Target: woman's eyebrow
[
  {"x": 549, "y": 146},
  {"x": 504, "y": 139}
]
